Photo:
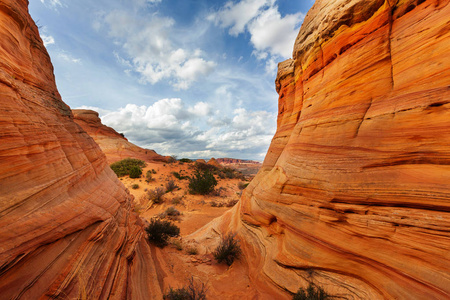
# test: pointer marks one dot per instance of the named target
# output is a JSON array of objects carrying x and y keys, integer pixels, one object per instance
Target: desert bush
[
  {"x": 172, "y": 211},
  {"x": 153, "y": 171},
  {"x": 177, "y": 200},
  {"x": 123, "y": 167},
  {"x": 232, "y": 202},
  {"x": 192, "y": 250},
  {"x": 200, "y": 166},
  {"x": 191, "y": 292},
  {"x": 312, "y": 292},
  {"x": 230, "y": 173},
  {"x": 185, "y": 160},
  {"x": 156, "y": 195},
  {"x": 172, "y": 159},
  {"x": 177, "y": 244},
  {"x": 228, "y": 249},
  {"x": 203, "y": 182},
  {"x": 179, "y": 176},
  {"x": 148, "y": 176},
  {"x": 159, "y": 231},
  {"x": 135, "y": 186},
  {"x": 135, "y": 172},
  {"x": 242, "y": 185},
  {"x": 171, "y": 185}
]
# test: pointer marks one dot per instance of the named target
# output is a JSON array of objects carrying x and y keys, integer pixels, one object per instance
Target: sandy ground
[{"x": 177, "y": 264}]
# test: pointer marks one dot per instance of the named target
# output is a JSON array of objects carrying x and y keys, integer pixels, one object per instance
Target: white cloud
[
  {"x": 273, "y": 33},
  {"x": 47, "y": 39},
  {"x": 68, "y": 57},
  {"x": 52, "y": 3},
  {"x": 170, "y": 127},
  {"x": 270, "y": 33},
  {"x": 152, "y": 53},
  {"x": 236, "y": 16}
]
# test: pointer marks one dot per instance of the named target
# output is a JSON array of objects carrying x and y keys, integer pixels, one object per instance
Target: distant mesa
[{"x": 115, "y": 145}]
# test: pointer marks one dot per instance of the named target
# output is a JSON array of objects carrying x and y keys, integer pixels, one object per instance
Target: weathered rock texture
[
  {"x": 113, "y": 144},
  {"x": 354, "y": 193},
  {"x": 66, "y": 227}
]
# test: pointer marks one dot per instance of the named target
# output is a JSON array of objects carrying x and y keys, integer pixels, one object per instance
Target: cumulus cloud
[
  {"x": 271, "y": 34},
  {"x": 151, "y": 52},
  {"x": 170, "y": 127}
]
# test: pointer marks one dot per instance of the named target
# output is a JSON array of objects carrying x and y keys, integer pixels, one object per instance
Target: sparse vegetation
[
  {"x": 312, "y": 292},
  {"x": 155, "y": 195},
  {"x": 171, "y": 185},
  {"x": 124, "y": 167},
  {"x": 232, "y": 202},
  {"x": 228, "y": 249},
  {"x": 191, "y": 292},
  {"x": 159, "y": 231},
  {"x": 203, "y": 182},
  {"x": 135, "y": 186},
  {"x": 148, "y": 176},
  {"x": 172, "y": 159},
  {"x": 177, "y": 200},
  {"x": 177, "y": 244}
]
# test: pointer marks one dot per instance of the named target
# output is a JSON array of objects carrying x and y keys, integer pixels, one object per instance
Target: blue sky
[{"x": 192, "y": 78}]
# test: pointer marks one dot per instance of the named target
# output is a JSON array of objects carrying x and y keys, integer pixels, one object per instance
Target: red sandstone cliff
[
  {"x": 66, "y": 227},
  {"x": 354, "y": 192},
  {"x": 112, "y": 143}
]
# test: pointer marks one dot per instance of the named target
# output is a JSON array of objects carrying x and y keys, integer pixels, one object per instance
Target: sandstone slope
[
  {"x": 354, "y": 192},
  {"x": 113, "y": 144},
  {"x": 67, "y": 230}
]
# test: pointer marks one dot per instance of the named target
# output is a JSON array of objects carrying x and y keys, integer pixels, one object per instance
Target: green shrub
[
  {"x": 159, "y": 231},
  {"x": 123, "y": 167},
  {"x": 135, "y": 172},
  {"x": 135, "y": 186},
  {"x": 228, "y": 249},
  {"x": 179, "y": 176},
  {"x": 191, "y": 292},
  {"x": 312, "y": 292},
  {"x": 203, "y": 182},
  {"x": 185, "y": 160}
]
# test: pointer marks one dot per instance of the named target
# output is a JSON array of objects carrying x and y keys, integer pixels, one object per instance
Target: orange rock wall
[
  {"x": 115, "y": 146},
  {"x": 67, "y": 230},
  {"x": 354, "y": 193}
]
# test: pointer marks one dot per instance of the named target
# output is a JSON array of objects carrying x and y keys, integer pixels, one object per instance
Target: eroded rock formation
[
  {"x": 112, "y": 143},
  {"x": 67, "y": 230},
  {"x": 354, "y": 193}
]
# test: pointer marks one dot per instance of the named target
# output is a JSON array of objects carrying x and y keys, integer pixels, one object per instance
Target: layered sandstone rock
[
  {"x": 67, "y": 230},
  {"x": 113, "y": 144},
  {"x": 354, "y": 193}
]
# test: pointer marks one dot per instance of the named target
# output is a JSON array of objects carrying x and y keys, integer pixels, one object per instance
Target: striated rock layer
[
  {"x": 354, "y": 193},
  {"x": 67, "y": 230},
  {"x": 113, "y": 144}
]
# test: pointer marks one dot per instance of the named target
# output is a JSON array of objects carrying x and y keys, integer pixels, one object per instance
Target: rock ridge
[
  {"x": 353, "y": 194},
  {"x": 115, "y": 145},
  {"x": 67, "y": 226}
]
